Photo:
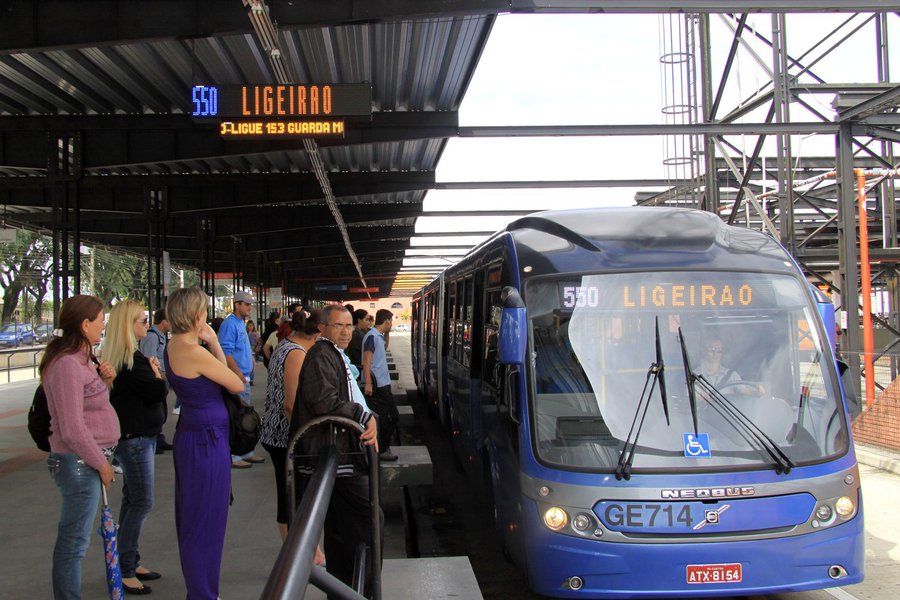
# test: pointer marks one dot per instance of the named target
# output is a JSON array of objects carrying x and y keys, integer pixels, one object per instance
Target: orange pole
[{"x": 866, "y": 276}]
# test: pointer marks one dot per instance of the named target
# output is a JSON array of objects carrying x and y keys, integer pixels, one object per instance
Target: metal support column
[
  {"x": 711, "y": 189},
  {"x": 848, "y": 251},
  {"x": 63, "y": 173},
  {"x": 207, "y": 237},
  {"x": 781, "y": 80},
  {"x": 156, "y": 212}
]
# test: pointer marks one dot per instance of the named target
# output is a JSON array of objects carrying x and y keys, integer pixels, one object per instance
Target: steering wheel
[{"x": 746, "y": 383}]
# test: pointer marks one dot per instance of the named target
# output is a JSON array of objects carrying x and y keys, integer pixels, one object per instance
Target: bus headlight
[
  {"x": 844, "y": 506},
  {"x": 824, "y": 513},
  {"x": 582, "y": 522},
  {"x": 555, "y": 518}
]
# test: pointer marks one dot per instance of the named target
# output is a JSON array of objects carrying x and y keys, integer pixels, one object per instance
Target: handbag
[{"x": 243, "y": 424}]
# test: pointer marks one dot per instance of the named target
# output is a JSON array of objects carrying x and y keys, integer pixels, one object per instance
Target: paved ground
[{"x": 449, "y": 518}]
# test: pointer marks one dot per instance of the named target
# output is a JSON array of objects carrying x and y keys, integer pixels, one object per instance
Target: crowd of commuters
[{"x": 115, "y": 408}]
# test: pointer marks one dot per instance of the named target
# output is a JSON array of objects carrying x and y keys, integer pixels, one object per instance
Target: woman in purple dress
[{"x": 201, "y": 452}]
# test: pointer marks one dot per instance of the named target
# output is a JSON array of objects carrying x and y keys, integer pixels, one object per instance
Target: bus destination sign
[
  {"x": 250, "y": 129},
  {"x": 271, "y": 101}
]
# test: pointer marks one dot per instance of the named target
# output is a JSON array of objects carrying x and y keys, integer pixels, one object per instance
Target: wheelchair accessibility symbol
[{"x": 697, "y": 446}]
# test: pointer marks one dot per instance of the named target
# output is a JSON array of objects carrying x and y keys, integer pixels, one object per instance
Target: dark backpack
[
  {"x": 243, "y": 421},
  {"x": 39, "y": 420}
]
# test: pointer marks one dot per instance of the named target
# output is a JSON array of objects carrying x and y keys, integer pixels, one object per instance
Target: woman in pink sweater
[{"x": 84, "y": 431}]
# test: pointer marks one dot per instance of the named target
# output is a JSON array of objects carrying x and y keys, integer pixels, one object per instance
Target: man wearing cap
[{"x": 236, "y": 345}]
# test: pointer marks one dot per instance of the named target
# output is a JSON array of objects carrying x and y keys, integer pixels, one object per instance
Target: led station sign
[{"x": 275, "y": 110}]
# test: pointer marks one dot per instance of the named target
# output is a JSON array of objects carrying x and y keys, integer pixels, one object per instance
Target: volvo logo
[
  {"x": 711, "y": 517},
  {"x": 722, "y": 492}
]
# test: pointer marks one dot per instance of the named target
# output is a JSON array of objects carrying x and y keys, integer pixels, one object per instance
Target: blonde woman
[
  {"x": 139, "y": 396},
  {"x": 201, "y": 451}
]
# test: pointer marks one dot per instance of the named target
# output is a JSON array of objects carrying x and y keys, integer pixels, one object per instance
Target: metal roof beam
[
  {"x": 29, "y": 25},
  {"x": 307, "y": 13}
]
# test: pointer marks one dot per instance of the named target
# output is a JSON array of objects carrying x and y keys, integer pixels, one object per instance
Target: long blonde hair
[{"x": 120, "y": 343}]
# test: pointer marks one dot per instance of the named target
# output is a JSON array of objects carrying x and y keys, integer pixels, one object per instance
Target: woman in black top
[{"x": 139, "y": 396}]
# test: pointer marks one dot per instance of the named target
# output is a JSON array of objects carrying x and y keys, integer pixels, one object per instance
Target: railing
[
  {"x": 294, "y": 569},
  {"x": 9, "y": 354}
]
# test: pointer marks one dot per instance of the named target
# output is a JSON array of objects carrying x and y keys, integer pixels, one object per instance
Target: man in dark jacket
[{"x": 325, "y": 382}]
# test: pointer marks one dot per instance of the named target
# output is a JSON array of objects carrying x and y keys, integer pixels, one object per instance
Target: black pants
[
  {"x": 347, "y": 525},
  {"x": 279, "y": 457},
  {"x": 382, "y": 402}
]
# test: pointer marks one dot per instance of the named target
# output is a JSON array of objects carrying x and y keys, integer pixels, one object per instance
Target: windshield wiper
[
  {"x": 656, "y": 373},
  {"x": 689, "y": 378},
  {"x": 805, "y": 386},
  {"x": 724, "y": 405},
  {"x": 783, "y": 463}
]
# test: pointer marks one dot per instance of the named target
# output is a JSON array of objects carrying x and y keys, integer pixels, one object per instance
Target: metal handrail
[
  {"x": 293, "y": 569},
  {"x": 35, "y": 350}
]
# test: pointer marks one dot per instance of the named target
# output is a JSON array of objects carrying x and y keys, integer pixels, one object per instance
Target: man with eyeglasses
[
  {"x": 326, "y": 390},
  {"x": 712, "y": 369},
  {"x": 236, "y": 345}
]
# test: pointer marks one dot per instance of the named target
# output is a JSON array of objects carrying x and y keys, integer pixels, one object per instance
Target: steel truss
[{"x": 812, "y": 209}]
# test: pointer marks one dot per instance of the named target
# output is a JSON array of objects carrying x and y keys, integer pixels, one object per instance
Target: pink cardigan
[{"x": 82, "y": 421}]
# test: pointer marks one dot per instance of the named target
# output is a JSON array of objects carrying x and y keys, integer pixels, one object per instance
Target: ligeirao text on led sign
[{"x": 276, "y": 101}]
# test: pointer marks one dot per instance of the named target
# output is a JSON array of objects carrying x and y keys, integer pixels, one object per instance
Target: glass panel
[{"x": 746, "y": 334}]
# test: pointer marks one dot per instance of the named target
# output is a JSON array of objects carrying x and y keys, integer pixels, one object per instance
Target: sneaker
[
  {"x": 117, "y": 469},
  {"x": 163, "y": 446},
  {"x": 176, "y": 411},
  {"x": 387, "y": 456},
  {"x": 255, "y": 460},
  {"x": 240, "y": 464}
]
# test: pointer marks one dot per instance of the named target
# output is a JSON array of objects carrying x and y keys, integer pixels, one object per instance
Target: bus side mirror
[
  {"x": 853, "y": 404},
  {"x": 513, "y": 328},
  {"x": 826, "y": 312}
]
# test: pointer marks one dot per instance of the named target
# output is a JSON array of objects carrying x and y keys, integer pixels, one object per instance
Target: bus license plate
[{"x": 727, "y": 573}]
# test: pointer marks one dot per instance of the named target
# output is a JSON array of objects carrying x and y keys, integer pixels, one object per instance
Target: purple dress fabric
[{"x": 202, "y": 482}]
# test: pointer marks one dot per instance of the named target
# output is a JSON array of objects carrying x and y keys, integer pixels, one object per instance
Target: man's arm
[
  {"x": 368, "y": 350},
  {"x": 228, "y": 341}
]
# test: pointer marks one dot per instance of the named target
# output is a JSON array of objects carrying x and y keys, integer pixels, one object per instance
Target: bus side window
[{"x": 491, "y": 372}]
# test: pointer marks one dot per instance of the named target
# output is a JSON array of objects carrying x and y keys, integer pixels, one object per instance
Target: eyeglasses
[
  {"x": 714, "y": 349},
  {"x": 143, "y": 321},
  {"x": 341, "y": 326}
]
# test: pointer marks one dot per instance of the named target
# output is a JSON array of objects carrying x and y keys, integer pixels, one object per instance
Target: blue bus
[{"x": 651, "y": 400}]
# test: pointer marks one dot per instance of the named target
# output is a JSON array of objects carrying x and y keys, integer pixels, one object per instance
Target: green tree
[
  {"x": 24, "y": 264},
  {"x": 115, "y": 276}
]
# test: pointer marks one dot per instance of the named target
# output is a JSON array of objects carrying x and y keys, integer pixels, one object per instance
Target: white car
[{"x": 401, "y": 327}]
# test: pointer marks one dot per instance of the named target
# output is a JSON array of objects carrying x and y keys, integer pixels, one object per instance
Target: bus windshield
[{"x": 750, "y": 337}]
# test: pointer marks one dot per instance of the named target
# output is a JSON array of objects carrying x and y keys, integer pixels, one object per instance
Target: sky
[{"x": 605, "y": 69}]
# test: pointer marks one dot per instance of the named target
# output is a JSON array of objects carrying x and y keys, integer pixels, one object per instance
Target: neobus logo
[{"x": 724, "y": 492}]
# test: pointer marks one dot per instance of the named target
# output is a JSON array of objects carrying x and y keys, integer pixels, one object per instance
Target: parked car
[
  {"x": 16, "y": 334},
  {"x": 43, "y": 333},
  {"x": 401, "y": 327}
]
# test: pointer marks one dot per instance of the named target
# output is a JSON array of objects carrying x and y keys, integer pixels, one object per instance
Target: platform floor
[{"x": 448, "y": 517}]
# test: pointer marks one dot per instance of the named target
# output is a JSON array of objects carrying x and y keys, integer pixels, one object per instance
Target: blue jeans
[
  {"x": 245, "y": 398},
  {"x": 136, "y": 457},
  {"x": 79, "y": 486}
]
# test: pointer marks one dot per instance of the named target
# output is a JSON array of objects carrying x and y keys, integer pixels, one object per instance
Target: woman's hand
[
  {"x": 154, "y": 364},
  {"x": 206, "y": 334},
  {"x": 107, "y": 373},
  {"x": 107, "y": 475}
]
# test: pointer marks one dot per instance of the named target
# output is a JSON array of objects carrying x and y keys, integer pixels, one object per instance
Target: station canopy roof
[{"x": 96, "y": 99}]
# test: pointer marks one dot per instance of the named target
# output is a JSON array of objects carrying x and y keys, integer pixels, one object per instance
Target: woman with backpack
[
  {"x": 84, "y": 432},
  {"x": 139, "y": 396}
]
